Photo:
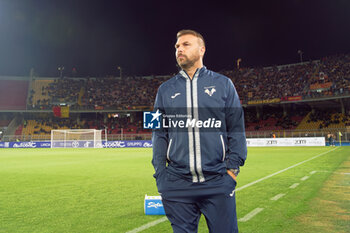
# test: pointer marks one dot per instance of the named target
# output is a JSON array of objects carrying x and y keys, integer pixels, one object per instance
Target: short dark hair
[{"x": 190, "y": 32}]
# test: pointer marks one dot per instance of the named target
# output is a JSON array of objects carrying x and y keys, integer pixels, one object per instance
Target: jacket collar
[{"x": 183, "y": 74}]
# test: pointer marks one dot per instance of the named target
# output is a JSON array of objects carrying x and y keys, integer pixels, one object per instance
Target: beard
[{"x": 185, "y": 62}]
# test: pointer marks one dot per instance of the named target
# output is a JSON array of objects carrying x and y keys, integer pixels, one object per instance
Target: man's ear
[{"x": 202, "y": 50}]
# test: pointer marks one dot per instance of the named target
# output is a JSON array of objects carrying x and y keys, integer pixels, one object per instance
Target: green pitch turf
[{"x": 102, "y": 190}]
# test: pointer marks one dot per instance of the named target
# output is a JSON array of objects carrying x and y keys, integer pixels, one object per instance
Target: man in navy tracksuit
[{"x": 201, "y": 145}]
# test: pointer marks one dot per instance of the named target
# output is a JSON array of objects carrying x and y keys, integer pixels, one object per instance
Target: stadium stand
[
  {"x": 329, "y": 76},
  {"x": 19, "y": 131},
  {"x": 272, "y": 119},
  {"x": 96, "y": 93},
  {"x": 321, "y": 119},
  {"x": 326, "y": 77},
  {"x": 3, "y": 127},
  {"x": 44, "y": 126},
  {"x": 4, "y": 123},
  {"x": 93, "y": 101},
  {"x": 13, "y": 94},
  {"x": 128, "y": 124},
  {"x": 117, "y": 93},
  {"x": 39, "y": 95}
]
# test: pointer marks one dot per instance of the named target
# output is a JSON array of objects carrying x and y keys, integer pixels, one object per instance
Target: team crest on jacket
[{"x": 210, "y": 90}]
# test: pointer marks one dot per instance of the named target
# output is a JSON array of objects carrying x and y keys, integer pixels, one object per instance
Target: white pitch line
[
  {"x": 148, "y": 225},
  {"x": 144, "y": 227},
  {"x": 313, "y": 172},
  {"x": 305, "y": 178},
  {"x": 293, "y": 186},
  {"x": 283, "y": 170},
  {"x": 278, "y": 196},
  {"x": 250, "y": 215}
]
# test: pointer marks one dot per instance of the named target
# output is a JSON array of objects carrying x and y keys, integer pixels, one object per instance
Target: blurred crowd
[
  {"x": 270, "y": 83},
  {"x": 100, "y": 93},
  {"x": 328, "y": 117},
  {"x": 326, "y": 77},
  {"x": 123, "y": 93}
]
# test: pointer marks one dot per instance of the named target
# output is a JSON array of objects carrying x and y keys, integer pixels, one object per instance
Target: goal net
[{"x": 76, "y": 138}]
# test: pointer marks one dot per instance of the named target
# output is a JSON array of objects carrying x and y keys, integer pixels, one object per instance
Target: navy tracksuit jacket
[{"x": 190, "y": 161}]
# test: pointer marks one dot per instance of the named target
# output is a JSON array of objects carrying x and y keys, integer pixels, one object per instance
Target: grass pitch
[{"x": 102, "y": 190}]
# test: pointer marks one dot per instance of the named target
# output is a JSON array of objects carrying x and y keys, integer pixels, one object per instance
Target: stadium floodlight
[
  {"x": 76, "y": 138},
  {"x": 300, "y": 55},
  {"x": 60, "y": 69},
  {"x": 120, "y": 71}
]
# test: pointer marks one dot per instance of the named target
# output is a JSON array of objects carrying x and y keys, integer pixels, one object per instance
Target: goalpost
[{"x": 76, "y": 138}]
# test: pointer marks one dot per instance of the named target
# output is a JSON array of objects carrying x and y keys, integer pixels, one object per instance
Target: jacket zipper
[
  {"x": 168, "y": 151},
  {"x": 223, "y": 148},
  {"x": 194, "y": 140}
]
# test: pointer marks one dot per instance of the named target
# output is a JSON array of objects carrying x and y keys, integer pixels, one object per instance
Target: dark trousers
[{"x": 219, "y": 212}]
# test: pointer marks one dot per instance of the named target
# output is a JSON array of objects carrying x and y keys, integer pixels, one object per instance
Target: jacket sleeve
[
  {"x": 159, "y": 140},
  {"x": 237, "y": 144}
]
